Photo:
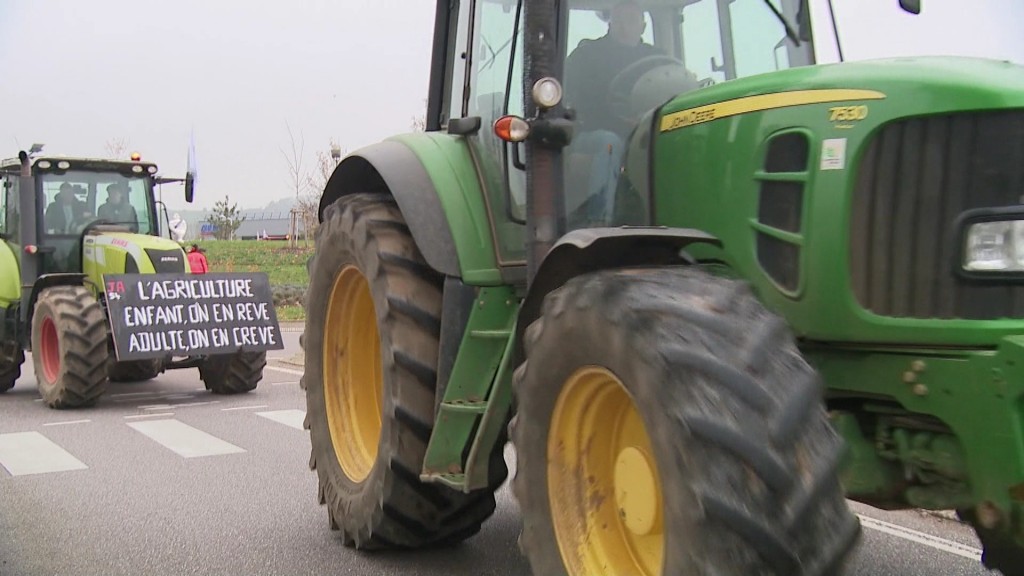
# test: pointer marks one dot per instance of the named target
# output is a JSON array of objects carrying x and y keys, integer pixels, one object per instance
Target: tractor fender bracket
[{"x": 592, "y": 249}]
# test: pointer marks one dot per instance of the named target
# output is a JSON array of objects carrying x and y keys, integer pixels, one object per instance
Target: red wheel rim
[{"x": 50, "y": 352}]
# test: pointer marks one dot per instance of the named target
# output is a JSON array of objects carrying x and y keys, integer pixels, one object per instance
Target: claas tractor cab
[
  {"x": 84, "y": 284},
  {"x": 712, "y": 267}
]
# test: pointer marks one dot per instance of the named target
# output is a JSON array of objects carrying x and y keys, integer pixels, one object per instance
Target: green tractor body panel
[
  {"x": 10, "y": 276},
  {"x": 973, "y": 449},
  {"x": 800, "y": 217},
  {"x": 843, "y": 211},
  {"x": 452, "y": 171}
]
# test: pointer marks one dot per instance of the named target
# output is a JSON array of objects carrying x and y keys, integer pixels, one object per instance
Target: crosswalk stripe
[
  {"x": 284, "y": 370},
  {"x": 183, "y": 439},
  {"x": 24, "y": 453},
  {"x": 291, "y": 418}
]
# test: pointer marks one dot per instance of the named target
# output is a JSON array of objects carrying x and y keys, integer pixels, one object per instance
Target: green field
[{"x": 283, "y": 265}]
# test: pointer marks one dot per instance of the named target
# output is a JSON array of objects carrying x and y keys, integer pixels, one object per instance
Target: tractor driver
[
  {"x": 590, "y": 68},
  {"x": 589, "y": 71},
  {"x": 117, "y": 209},
  {"x": 64, "y": 212}
]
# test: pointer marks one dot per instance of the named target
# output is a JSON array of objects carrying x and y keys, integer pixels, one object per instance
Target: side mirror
[
  {"x": 912, "y": 6},
  {"x": 190, "y": 187}
]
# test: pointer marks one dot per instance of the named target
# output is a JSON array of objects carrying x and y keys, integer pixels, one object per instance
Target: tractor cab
[
  {"x": 87, "y": 195},
  {"x": 616, "y": 61}
]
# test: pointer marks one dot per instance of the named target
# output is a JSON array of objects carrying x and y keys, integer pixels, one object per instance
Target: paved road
[{"x": 164, "y": 478}]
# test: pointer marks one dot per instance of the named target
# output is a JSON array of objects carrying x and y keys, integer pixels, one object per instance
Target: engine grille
[
  {"x": 914, "y": 179},
  {"x": 167, "y": 260}
]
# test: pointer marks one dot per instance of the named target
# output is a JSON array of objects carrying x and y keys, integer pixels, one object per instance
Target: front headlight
[{"x": 992, "y": 242}]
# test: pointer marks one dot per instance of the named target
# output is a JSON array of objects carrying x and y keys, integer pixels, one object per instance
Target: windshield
[
  {"x": 880, "y": 29},
  {"x": 76, "y": 198}
]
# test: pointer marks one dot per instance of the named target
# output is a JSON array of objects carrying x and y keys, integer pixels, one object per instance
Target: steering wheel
[{"x": 621, "y": 85}]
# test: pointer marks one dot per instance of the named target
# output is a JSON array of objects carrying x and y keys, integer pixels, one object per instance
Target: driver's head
[
  {"x": 626, "y": 23},
  {"x": 115, "y": 193},
  {"x": 66, "y": 194}
]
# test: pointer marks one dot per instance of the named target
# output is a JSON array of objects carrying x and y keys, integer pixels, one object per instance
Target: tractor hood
[
  {"x": 900, "y": 87},
  {"x": 121, "y": 252}
]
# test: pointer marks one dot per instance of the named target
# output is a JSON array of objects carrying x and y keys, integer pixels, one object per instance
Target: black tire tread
[
  {"x": 1000, "y": 551},
  {"x": 739, "y": 397},
  {"x": 11, "y": 371},
  {"x": 235, "y": 374},
  {"x": 82, "y": 328},
  {"x": 133, "y": 370},
  {"x": 407, "y": 513}
]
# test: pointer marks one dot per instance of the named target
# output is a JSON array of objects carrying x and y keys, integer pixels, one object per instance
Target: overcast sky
[{"x": 79, "y": 74}]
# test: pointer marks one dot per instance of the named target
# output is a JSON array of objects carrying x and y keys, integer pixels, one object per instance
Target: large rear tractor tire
[
  {"x": 667, "y": 424},
  {"x": 134, "y": 370},
  {"x": 371, "y": 346},
  {"x": 1000, "y": 551},
  {"x": 233, "y": 373},
  {"x": 69, "y": 347},
  {"x": 10, "y": 371}
]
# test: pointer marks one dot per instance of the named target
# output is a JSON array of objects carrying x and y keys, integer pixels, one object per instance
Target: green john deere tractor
[
  {"x": 68, "y": 226},
  {"x": 708, "y": 287}
]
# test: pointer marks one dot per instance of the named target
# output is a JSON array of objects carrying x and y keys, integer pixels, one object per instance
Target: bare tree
[
  {"x": 117, "y": 147},
  {"x": 296, "y": 179},
  {"x": 316, "y": 182},
  {"x": 296, "y": 173}
]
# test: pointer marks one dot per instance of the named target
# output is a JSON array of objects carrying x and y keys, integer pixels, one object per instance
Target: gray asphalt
[{"x": 140, "y": 508}]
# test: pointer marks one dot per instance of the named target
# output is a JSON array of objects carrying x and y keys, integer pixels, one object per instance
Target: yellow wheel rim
[
  {"x": 353, "y": 379},
  {"x": 603, "y": 483}
]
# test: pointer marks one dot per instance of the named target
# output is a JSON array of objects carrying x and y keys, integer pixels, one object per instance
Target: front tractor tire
[
  {"x": 667, "y": 424},
  {"x": 10, "y": 370},
  {"x": 371, "y": 346},
  {"x": 134, "y": 370},
  {"x": 236, "y": 373},
  {"x": 69, "y": 347}
]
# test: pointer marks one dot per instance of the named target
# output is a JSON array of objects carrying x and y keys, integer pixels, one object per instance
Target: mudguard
[
  {"x": 434, "y": 181},
  {"x": 591, "y": 249}
]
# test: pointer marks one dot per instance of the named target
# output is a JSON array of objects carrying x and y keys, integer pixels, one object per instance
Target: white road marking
[
  {"x": 285, "y": 370},
  {"x": 66, "y": 422},
  {"x": 183, "y": 439},
  {"x": 186, "y": 404},
  {"x": 291, "y": 418},
  {"x": 126, "y": 394},
  {"x": 148, "y": 415},
  {"x": 24, "y": 453},
  {"x": 920, "y": 538},
  {"x": 290, "y": 382},
  {"x": 243, "y": 407},
  {"x": 154, "y": 407}
]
